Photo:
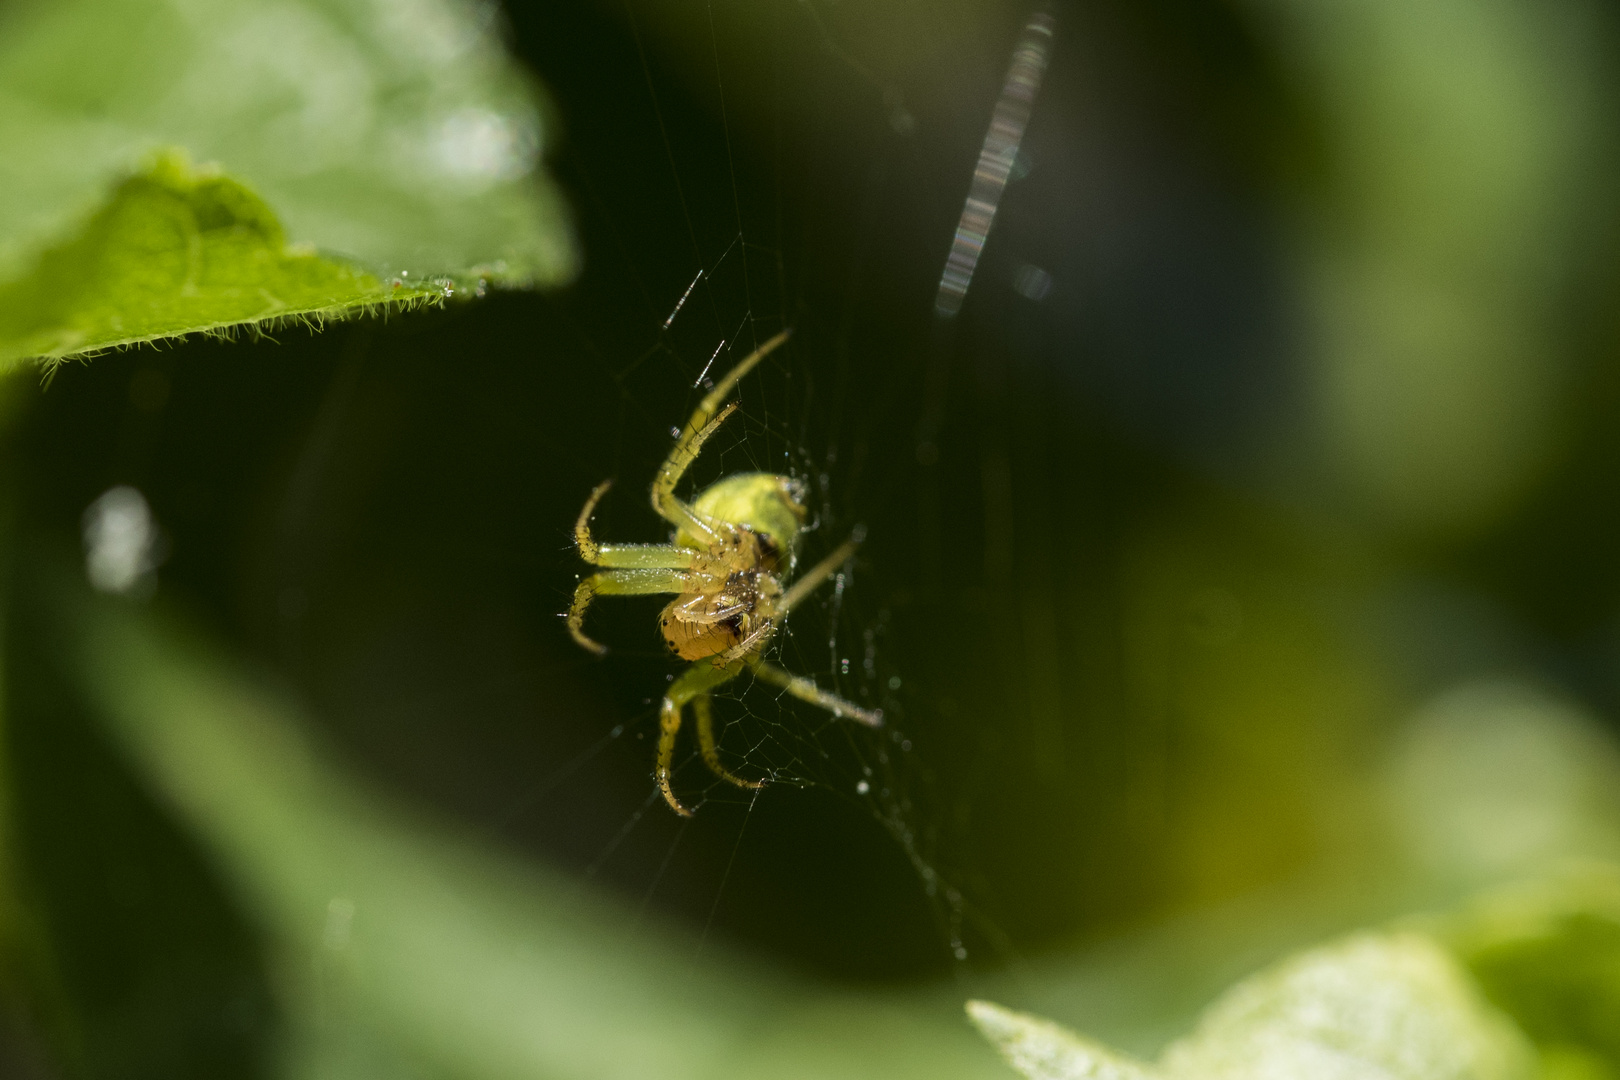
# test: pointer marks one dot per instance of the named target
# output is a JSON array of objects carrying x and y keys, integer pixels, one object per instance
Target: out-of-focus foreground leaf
[
  {"x": 1392, "y": 1007},
  {"x": 1500, "y": 796},
  {"x": 356, "y": 154},
  {"x": 1549, "y": 954},
  {"x": 1042, "y": 1050},
  {"x": 402, "y": 945},
  {"x": 1524, "y": 982}
]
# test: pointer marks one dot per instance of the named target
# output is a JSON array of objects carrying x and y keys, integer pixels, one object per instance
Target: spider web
[
  {"x": 837, "y": 637},
  {"x": 752, "y": 267}
]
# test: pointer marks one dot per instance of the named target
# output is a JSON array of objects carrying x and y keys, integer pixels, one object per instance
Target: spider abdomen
[
  {"x": 730, "y": 604},
  {"x": 698, "y": 640}
]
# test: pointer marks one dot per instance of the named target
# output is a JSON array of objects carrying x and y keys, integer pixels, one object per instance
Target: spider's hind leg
[
  {"x": 703, "y": 708},
  {"x": 630, "y": 556},
  {"x": 806, "y": 690},
  {"x": 698, "y": 680}
]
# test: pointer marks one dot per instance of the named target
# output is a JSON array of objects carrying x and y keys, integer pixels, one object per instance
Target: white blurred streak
[
  {"x": 122, "y": 544},
  {"x": 682, "y": 301},
  {"x": 704, "y": 374},
  {"x": 996, "y": 158}
]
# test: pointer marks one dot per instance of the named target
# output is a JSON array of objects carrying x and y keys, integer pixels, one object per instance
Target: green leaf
[
  {"x": 356, "y": 154},
  {"x": 175, "y": 249},
  {"x": 405, "y": 947},
  {"x": 1379, "y": 1006},
  {"x": 1373, "y": 1007},
  {"x": 1042, "y": 1050},
  {"x": 1548, "y": 954}
]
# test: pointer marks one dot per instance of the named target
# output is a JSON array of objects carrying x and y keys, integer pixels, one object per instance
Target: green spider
[{"x": 734, "y": 548}]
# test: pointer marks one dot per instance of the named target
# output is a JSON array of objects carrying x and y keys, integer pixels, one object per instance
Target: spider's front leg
[
  {"x": 689, "y": 443},
  {"x": 668, "y": 507},
  {"x": 644, "y": 582},
  {"x": 627, "y": 556},
  {"x": 696, "y": 683},
  {"x": 711, "y": 401}
]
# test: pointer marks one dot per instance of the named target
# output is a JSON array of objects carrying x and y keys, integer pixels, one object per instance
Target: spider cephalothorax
[{"x": 735, "y": 546}]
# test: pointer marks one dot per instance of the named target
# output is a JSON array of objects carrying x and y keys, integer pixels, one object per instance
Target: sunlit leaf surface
[
  {"x": 1393, "y": 1006},
  {"x": 1375, "y": 1007},
  {"x": 1042, "y": 1050},
  {"x": 396, "y": 142},
  {"x": 174, "y": 250}
]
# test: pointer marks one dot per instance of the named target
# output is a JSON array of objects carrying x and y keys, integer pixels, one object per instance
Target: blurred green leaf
[
  {"x": 1491, "y": 781},
  {"x": 405, "y": 947},
  {"x": 1379, "y": 1007},
  {"x": 357, "y": 154},
  {"x": 1549, "y": 955},
  {"x": 1464, "y": 143},
  {"x": 1372, "y": 1006},
  {"x": 1042, "y": 1050}
]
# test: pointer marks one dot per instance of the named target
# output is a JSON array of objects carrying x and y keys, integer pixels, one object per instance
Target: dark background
[{"x": 379, "y": 515}]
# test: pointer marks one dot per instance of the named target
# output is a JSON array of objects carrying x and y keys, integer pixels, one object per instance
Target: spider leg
[
  {"x": 753, "y": 643},
  {"x": 664, "y": 501},
  {"x": 699, "y": 427},
  {"x": 810, "y": 579},
  {"x": 618, "y": 583},
  {"x": 654, "y": 556},
  {"x": 806, "y": 690},
  {"x": 711, "y": 401},
  {"x": 702, "y": 708},
  {"x": 698, "y": 680}
]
